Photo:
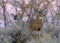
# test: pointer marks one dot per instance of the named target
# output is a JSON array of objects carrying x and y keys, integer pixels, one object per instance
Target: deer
[{"x": 36, "y": 25}]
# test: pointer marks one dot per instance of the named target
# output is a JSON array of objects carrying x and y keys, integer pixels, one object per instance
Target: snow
[
  {"x": 2, "y": 24},
  {"x": 10, "y": 9},
  {"x": 51, "y": 11},
  {"x": 25, "y": 19},
  {"x": 27, "y": 2}
]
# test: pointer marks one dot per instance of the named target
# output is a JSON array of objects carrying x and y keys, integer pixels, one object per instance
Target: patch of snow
[{"x": 25, "y": 19}]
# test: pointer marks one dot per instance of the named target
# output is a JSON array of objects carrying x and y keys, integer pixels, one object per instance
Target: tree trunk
[{"x": 4, "y": 12}]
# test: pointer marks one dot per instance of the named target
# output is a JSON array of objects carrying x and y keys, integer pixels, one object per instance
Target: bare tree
[{"x": 3, "y": 6}]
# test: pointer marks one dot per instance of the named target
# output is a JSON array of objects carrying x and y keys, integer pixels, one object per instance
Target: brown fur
[{"x": 36, "y": 25}]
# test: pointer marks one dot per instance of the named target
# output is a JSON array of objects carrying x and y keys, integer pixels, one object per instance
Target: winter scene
[{"x": 29, "y": 21}]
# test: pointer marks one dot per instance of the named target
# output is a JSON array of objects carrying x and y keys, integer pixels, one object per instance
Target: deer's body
[{"x": 36, "y": 25}]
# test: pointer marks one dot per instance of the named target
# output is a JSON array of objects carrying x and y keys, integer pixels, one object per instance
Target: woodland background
[{"x": 16, "y": 14}]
